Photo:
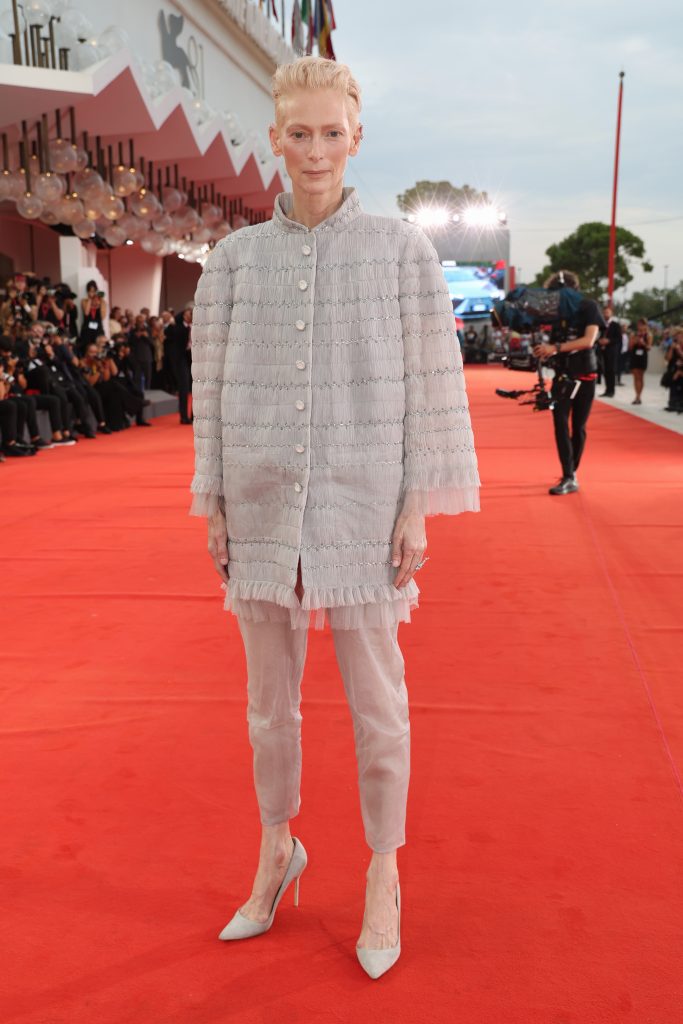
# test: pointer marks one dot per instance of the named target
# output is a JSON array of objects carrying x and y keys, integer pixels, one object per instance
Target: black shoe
[
  {"x": 38, "y": 442},
  {"x": 15, "y": 451},
  {"x": 142, "y": 423},
  {"x": 620, "y": 384},
  {"x": 606, "y": 394},
  {"x": 64, "y": 441},
  {"x": 104, "y": 430},
  {"x": 567, "y": 485},
  {"x": 30, "y": 449},
  {"x": 185, "y": 421}
]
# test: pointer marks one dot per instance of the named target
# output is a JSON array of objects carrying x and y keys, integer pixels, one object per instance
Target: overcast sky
[{"x": 520, "y": 100}]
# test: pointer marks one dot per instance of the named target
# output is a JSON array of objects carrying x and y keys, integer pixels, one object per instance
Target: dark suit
[
  {"x": 610, "y": 355},
  {"x": 176, "y": 346}
]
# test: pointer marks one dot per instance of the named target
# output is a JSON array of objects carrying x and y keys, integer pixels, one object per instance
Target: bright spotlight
[
  {"x": 432, "y": 217},
  {"x": 483, "y": 216}
]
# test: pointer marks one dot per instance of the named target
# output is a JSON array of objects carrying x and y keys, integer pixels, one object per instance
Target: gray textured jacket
[{"x": 328, "y": 391}]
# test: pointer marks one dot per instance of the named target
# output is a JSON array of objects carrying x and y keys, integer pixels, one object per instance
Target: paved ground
[{"x": 654, "y": 398}]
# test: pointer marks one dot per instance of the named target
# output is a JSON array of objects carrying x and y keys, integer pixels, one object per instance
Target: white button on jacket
[
  {"x": 300, "y": 325},
  {"x": 300, "y": 449},
  {"x": 303, "y": 285},
  {"x": 300, "y": 405},
  {"x": 297, "y": 487},
  {"x": 306, "y": 250},
  {"x": 300, "y": 364}
]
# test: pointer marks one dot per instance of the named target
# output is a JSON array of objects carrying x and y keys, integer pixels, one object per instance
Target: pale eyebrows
[{"x": 299, "y": 126}]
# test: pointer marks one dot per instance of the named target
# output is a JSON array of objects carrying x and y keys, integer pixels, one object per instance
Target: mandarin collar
[{"x": 349, "y": 209}]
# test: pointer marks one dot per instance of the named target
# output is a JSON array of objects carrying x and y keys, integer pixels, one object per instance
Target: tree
[
  {"x": 586, "y": 252},
  {"x": 438, "y": 193},
  {"x": 651, "y": 303}
]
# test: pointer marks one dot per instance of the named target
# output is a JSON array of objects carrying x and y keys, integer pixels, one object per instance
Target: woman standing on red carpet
[
  {"x": 330, "y": 417},
  {"x": 640, "y": 344}
]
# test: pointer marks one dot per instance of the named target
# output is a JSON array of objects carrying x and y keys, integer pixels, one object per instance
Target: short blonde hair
[{"x": 316, "y": 73}]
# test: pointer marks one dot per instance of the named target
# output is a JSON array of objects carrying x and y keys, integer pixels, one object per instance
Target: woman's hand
[
  {"x": 408, "y": 546},
  {"x": 218, "y": 544}
]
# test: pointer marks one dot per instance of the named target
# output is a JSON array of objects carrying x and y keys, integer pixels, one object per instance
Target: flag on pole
[
  {"x": 325, "y": 24},
  {"x": 307, "y": 18},
  {"x": 297, "y": 28}
]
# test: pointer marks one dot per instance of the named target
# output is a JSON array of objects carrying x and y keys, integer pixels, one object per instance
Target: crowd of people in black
[{"x": 56, "y": 356}]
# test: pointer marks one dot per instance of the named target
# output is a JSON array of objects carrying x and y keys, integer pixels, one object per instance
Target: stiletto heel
[
  {"x": 241, "y": 927},
  {"x": 376, "y": 962}
]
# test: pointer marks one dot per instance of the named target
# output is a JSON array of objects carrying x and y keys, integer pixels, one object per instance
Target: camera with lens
[{"x": 545, "y": 314}]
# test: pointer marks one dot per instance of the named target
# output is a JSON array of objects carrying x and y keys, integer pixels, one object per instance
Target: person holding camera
[
  {"x": 27, "y": 405},
  {"x": 65, "y": 376},
  {"x": 48, "y": 309},
  {"x": 18, "y": 305},
  {"x": 94, "y": 307},
  {"x": 572, "y": 350},
  {"x": 69, "y": 323},
  {"x": 43, "y": 379},
  {"x": 10, "y": 444},
  {"x": 100, "y": 371}
]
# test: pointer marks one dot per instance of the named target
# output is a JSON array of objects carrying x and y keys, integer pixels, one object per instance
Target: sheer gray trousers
[{"x": 371, "y": 665}]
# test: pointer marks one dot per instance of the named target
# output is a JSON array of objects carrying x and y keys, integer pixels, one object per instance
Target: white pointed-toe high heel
[
  {"x": 242, "y": 927},
  {"x": 376, "y": 962}
]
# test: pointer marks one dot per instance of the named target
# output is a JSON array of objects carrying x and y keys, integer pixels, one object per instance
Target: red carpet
[{"x": 542, "y": 877}]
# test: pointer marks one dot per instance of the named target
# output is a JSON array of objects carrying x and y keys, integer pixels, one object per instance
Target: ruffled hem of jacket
[
  {"x": 365, "y": 606},
  {"x": 442, "y": 501}
]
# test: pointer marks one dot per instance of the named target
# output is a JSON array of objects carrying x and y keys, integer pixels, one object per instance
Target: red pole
[{"x": 613, "y": 225}]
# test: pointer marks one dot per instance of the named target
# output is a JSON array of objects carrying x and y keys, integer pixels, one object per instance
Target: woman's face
[{"x": 315, "y": 136}]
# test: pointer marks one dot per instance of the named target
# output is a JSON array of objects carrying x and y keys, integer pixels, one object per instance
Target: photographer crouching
[{"x": 572, "y": 350}]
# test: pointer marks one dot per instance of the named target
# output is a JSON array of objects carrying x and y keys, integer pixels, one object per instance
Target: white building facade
[{"x": 171, "y": 98}]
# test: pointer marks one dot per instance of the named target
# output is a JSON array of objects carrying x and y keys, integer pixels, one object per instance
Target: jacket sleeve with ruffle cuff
[
  {"x": 440, "y": 473},
  {"x": 205, "y": 503},
  {"x": 210, "y": 330}
]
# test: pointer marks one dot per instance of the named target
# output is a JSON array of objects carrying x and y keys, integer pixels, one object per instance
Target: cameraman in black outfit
[{"x": 572, "y": 349}]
